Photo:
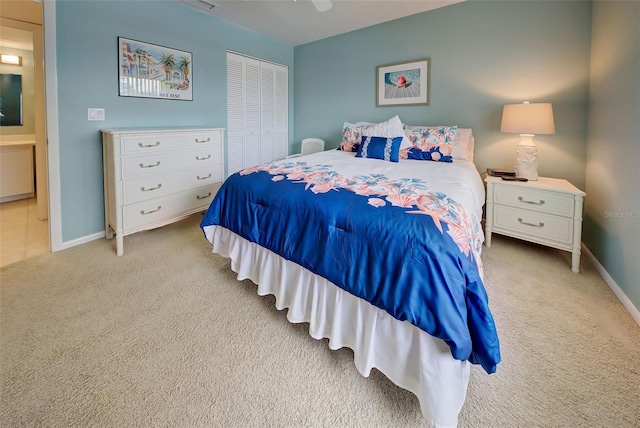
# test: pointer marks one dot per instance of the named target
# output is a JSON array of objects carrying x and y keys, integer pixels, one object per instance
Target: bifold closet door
[
  {"x": 243, "y": 112},
  {"x": 274, "y": 112},
  {"x": 257, "y": 112}
]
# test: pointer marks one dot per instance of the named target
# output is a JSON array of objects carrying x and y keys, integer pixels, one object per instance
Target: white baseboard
[
  {"x": 626, "y": 302},
  {"x": 69, "y": 244}
]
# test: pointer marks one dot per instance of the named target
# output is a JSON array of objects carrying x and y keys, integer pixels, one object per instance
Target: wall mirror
[{"x": 10, "y": 100}]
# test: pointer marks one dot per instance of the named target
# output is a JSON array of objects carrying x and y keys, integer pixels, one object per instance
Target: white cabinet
[
  {"x": 546, "y": 211},
  {"x": 257, "y": 112},
  {"x": 156, "y": 176},
  {"x": 16, "y": 169}
]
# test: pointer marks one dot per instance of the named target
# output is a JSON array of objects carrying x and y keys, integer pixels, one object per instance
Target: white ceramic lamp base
[{"x": 527, "y": 158}]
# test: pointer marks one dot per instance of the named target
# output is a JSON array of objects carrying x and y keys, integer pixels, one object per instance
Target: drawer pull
[
  {"x": 149, "y": 145},
  {"x": 141, "y": 165},
  {"x": 143, "y": 212},
  {"x": 151, "y": 188},
  {"x": 199, "y": 158},
  {"x": 204, "y": 178},
  {"x": 203, "y": 141},
  {"x": 540, "y": 224},
  {"x": 540, "y": 202},
  {"x": 203, "y": 197}
]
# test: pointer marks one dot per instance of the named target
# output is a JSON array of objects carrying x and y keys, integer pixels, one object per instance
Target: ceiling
[{"x": 296, "y": 22}]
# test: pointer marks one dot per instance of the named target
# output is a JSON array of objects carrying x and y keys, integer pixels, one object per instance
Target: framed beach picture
[
  {"x": 152, "y": 71},
  {"x": 403, "y": 83}
]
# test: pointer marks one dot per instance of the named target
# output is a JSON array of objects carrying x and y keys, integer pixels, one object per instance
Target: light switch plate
[{"x": 95, "y": 114}]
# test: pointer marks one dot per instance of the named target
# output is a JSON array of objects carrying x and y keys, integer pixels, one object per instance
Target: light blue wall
[
  {"x": 87, "y": 72},
  {"x": 612, "y": 206},
  {"x": 483, "y": 54}
]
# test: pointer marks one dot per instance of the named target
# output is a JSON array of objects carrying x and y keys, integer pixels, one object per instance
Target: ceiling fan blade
[{"x": 322, "y": 5}]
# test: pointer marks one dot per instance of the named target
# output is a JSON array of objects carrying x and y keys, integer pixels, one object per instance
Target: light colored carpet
[{"x": 166, "y": 336}]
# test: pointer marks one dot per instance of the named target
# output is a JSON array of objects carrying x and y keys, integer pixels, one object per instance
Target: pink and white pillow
[{"x": 434, "y": 143}]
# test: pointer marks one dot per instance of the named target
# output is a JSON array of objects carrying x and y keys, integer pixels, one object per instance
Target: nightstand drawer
[
  {"x": 527, "y": 223},
  {"x": 535, "y": 200}
]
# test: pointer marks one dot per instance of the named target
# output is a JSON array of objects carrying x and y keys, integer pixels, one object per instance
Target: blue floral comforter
[{"x": 393, "y": 242}]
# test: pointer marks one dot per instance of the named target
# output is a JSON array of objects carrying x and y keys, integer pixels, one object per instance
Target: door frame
[
  {"x": 39, "y": 110},
  {"x": 53, "y": 150}
]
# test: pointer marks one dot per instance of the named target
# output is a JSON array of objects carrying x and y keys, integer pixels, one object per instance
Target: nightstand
[{"x": 546, "y": 211}]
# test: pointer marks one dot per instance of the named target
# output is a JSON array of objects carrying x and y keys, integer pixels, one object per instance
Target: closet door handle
[{"x": 141, "y": 165}]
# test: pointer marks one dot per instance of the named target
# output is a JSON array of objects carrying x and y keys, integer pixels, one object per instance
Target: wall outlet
[{"x": 95, "y": 114}]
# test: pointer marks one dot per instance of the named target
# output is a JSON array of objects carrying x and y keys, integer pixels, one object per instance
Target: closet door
[
  {"x": 257, "y": 112},
  {"x": 281, "y": 114},
  {"x": 235, "y": 113},
  {"x": 274, "y": 114},
  {"x": 251, "y": 113},
  {"x": 267, "y": 119}
]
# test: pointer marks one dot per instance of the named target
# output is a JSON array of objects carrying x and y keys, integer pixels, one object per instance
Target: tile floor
[{"x": 22, "y": 235}]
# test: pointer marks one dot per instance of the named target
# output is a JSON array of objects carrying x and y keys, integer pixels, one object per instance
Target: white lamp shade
[{"x": 528, "y": 118}]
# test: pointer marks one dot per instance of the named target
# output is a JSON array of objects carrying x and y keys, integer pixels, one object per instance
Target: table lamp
[{"x": 527, "y": 119}]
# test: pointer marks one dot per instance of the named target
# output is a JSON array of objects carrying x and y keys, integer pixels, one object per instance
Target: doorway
[{"x": 24, "y": 227}]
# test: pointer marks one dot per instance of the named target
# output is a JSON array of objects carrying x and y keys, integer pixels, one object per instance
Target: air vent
[{"x": 201, "y": 5}]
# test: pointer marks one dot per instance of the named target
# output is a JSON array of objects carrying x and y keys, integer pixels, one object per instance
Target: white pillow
[
  {"x": 391, "y": 128},
  {"x": 462, "y": 147}
]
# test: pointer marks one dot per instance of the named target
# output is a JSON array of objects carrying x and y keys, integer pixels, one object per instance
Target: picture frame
[
  {"x": 403, "y": 83},
  {"x": 146, "y": 70}
]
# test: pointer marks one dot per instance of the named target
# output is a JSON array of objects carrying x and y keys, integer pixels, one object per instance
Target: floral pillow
[
  {"x": 434, "y": 143},
  {"x": 384, "y": 148},
  {"x": 351, "y": 136}
]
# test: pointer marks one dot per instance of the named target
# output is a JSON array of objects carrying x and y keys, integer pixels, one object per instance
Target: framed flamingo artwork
[
  {"x": 403, "y": 83},
  {"x": 152, "y": 71}
]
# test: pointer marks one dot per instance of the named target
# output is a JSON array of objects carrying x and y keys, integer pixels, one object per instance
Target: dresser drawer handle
[
  {"x": 540, "y": 224},
  {"x": 540, "y": 202},
  {"x": 199, "y": 158},
  {"x": 204, "y": 178},
  {"x": 203, "y": 197},
  {"x": 149, "y": 145},
  {"x": 141, "y": 165},
  {"x": 151, "y": 188},
  {"x": 203, "y": 141},
  {"x": 143, "y": 212}
]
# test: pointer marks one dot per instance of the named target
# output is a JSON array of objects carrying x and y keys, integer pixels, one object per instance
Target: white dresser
[
  {"x": 156, "y": 176},
  {"x": 546, "y": 211}
]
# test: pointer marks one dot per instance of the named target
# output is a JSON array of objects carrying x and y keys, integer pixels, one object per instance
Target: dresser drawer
[
  {"x": 527, "y": 223},
  {"x": 152, "y": 143},
  {"x": 159, "y": 209},
  {"x": 535, "y": 200},
  {"x": 157, "y": 185},
  {"x": 165, "y": 162}
]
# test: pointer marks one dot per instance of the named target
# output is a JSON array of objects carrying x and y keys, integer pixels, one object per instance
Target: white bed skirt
[{"x": 408, "y": 356}]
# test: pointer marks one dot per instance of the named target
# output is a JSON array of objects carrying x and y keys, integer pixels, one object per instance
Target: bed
[{"x": 379, "y": 256}]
